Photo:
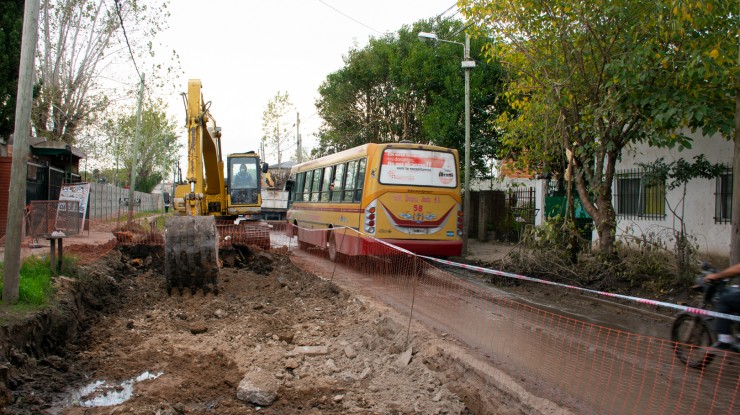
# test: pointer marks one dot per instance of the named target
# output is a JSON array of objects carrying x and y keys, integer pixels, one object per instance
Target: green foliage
[
  {"x": 35, "y": 281},
  {"x": 158, "y": 146},
  {"x": 679, "y": 172},
  {"x": 592, "y": 77},
  {"x": 11, "y": 27},
  {"x": 400, "y": 88},
  {"x": 555, "y": 237}
]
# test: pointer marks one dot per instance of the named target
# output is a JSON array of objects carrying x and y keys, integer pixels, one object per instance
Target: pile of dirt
[{"x": 304, "y": 344}]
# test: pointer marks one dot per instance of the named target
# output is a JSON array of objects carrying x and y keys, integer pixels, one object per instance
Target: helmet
[{"x": 243, "y": 168}]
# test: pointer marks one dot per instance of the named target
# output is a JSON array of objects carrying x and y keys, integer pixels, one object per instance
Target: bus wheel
[{"x": 333, "y": 254}]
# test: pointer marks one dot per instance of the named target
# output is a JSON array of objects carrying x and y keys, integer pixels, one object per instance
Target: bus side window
[
  {"x": 326, "y": 184},
  {"x": 349, "y": 184},
  {"x": 360, "y": 180},
  {"x": 307, "y": 186},
  {"x": 298, "y": 187},
  {"x": 336, "y": 191},
  {"x": 315, "y": 182}
]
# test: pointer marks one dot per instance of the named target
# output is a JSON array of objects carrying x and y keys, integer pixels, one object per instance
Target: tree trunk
[
  {"x": 606, "y": 226},
  {"x": 602, "y": 212}
]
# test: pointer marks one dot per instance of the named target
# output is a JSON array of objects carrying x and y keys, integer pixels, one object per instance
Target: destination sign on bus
[{"x": 418, "y": 168}]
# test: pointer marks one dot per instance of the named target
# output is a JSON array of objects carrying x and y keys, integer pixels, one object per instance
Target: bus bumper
[{"x": 429, "y": 248}]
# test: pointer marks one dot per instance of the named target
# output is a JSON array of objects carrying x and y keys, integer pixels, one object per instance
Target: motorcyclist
[{"x": 727, "y": 304}]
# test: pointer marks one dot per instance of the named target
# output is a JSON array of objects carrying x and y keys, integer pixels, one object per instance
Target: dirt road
[
  {"x": 279, "y": 340},
  {"x": 308, "y": 346},
  {"x": 597, "y": 356}
]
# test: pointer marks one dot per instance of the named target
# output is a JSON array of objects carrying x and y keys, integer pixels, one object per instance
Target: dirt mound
[{"x": 325, "y": 351}]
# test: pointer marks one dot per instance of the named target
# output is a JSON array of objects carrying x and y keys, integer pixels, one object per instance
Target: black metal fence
[{"x": 502, "y": 214}]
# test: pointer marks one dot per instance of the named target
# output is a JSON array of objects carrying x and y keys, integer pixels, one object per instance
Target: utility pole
[
  {"x": 164, "y": 171},
  {"x": 299, "y": 145},
  {"x": 134, "y": 150},
  {"x": 17, "y": 198},
  {"x": 467, "y": 64}
]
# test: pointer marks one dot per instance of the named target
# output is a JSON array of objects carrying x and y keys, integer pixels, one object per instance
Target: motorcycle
[{"x": 694, "y": 334}]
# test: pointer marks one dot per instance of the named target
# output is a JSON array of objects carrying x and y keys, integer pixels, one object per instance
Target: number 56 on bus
[{"x": 402, "y": 193}]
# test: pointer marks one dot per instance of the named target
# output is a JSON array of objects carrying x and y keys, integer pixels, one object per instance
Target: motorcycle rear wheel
[{"x": 693, "y": 336}]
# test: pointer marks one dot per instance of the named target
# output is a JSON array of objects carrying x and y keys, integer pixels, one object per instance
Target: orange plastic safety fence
[{"x": 585, "y": 367}]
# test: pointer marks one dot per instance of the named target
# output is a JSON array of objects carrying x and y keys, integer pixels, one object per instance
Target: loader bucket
[{"x": 191, "y": 253}]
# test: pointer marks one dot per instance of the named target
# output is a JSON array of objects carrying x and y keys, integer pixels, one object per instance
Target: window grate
[
  {"x": 723, "y": 197},
  {"x": 639, "y": 195}
]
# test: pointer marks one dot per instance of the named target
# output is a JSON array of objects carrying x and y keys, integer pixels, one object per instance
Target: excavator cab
[{"x": 244, "y": 185}]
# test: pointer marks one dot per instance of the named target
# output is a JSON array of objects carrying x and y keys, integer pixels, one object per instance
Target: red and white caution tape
[{"x": 692, "y": 310}]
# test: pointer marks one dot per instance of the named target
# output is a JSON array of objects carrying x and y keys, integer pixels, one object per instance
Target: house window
[
  {"x": 723, "y": 198},
  {"x": 640, "y": 196}
]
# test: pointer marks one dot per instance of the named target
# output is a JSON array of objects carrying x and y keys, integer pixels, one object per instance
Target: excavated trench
[{"x": 113, "y": 338}]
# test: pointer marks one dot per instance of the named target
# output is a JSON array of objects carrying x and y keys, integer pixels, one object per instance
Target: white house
[{"x": 644, "y": 208}]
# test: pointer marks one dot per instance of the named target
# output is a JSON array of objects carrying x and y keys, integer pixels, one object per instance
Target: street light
[{"x": 467, "y": 64}]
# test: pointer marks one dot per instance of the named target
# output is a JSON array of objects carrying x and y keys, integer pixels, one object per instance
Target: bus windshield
[{"x": 413, "y": 167}]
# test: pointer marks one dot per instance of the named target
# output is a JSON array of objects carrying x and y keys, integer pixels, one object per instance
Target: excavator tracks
[{"x": 191, "y": 254}]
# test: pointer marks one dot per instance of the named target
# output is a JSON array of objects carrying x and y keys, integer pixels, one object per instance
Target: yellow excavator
[{"x": 192, "y": 235}]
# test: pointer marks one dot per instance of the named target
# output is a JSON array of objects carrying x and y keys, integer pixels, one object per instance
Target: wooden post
[
  {"x": 60, "y": 255},
  {"x": 17, "y": 197},
  {"x": 52, "y": 253}
]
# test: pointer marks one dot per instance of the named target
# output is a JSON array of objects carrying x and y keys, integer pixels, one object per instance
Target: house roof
[
  {"x": 508, "y": 169},
  {"x": 41, "y": 146}
]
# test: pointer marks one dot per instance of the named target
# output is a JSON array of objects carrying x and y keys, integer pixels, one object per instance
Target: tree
[
  {"x": 676, "y": 174},
  {"x": 11, "y": 26},
  {"x": 597, "y": 76},
  {"x": 399, "y": 88},
  {"x": 79, "y": 39},
  {"x": 157, "y": 149},
  {"x": 275, "y": 125}
]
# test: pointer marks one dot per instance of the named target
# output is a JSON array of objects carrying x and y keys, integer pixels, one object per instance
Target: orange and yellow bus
[{"x": 402, "y": 193}]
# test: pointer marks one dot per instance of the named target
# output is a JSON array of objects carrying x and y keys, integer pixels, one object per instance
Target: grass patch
[{"x": 35, "y": 287}]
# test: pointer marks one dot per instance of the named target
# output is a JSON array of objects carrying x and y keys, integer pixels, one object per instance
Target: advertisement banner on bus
[{"x": 418, "y": 168}]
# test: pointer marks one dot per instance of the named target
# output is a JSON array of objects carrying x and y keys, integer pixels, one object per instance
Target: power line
[
  {"x": 118, "y": 12},
  {"x": 348, "y": 16},
  {"x": 450, "y": 8}
]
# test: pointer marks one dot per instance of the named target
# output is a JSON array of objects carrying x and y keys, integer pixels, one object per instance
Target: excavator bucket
[{"x": 191, "y": 253}]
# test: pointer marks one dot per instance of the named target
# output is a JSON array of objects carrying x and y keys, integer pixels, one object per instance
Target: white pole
[{"x": 466, "y": 196}]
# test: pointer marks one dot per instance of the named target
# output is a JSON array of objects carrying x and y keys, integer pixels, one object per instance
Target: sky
[{"x": 245, "y": 52}]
